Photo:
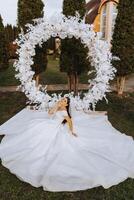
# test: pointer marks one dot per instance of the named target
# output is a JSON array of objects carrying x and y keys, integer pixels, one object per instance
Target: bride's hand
[
  {"x": 74, "y": 134},
  {"x": 105, "y": 112},
  {"x": 52, "y": 110}
]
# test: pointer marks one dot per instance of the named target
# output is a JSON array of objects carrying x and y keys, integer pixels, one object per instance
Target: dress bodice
[{"x": 60, "y": 115}]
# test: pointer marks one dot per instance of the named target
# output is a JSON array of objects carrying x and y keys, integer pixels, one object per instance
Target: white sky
[{"x": 8, "y": 9}]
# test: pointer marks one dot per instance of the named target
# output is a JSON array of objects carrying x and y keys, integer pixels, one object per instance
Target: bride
[{"x": 66, "y": 151}]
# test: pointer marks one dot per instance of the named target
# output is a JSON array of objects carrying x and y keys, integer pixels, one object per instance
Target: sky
[{"x": 8, "y": 9}]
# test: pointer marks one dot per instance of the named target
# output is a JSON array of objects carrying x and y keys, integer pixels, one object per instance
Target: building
[{"x": 102, "y": 13}]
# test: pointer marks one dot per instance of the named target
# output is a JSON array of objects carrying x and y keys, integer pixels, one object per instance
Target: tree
[
  {"x": 11, "y": 33},
  {"x": 123, "y": 42},
  {"x": 3, "y": 47},
  {"x": 73, "y": 59},
  {"x": 27, "y": 11}
]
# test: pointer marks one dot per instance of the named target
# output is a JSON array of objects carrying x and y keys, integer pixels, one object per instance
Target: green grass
[
  {"x": 121, "y": 115},
  {"x": 52, "y": 75}
]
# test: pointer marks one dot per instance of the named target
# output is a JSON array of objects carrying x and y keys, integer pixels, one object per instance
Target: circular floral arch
[{"x": 61, "y": 26}]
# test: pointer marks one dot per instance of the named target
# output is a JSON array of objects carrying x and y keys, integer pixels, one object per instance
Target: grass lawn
[
  {"x": 52, "y": 75},
  {"x": 121, "y": 115}
]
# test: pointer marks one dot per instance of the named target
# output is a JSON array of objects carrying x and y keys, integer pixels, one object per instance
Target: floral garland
[{"x": 61, "y": 26}]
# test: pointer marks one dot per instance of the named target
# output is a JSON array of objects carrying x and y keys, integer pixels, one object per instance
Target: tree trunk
[
  {"x": 120, "y": 85},
  {"x": 37, "y": 78},
  {"x": 73, "y": 82},
  {"x": 76, "y": 83},
  {"x": 69, "y": 83}
]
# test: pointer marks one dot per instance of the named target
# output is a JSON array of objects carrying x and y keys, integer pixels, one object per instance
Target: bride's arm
[
  {"x": 53, "y": 109},
  {"x": 70, "y": 125}
]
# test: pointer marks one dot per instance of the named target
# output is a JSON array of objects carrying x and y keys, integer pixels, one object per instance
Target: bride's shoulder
[{"x": 62, "y": 111}]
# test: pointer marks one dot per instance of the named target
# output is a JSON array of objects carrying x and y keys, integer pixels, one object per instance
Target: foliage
[
  {"x": 73, "y": 57},
  {"x": 11, "y": 33},
  {"x": 40, "y": 59},
  {"x": 3, "y": 47},
  {"x": 123, "y": 38},
  {"x": 27, "y": 11}
]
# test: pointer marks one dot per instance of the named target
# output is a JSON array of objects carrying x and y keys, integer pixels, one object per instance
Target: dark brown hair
[{"x": 67, "y": 108}]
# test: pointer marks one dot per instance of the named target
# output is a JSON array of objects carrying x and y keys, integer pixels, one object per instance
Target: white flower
[{"x": 99, "y": 56}]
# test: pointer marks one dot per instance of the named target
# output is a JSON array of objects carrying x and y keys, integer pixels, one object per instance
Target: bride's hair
[{"x": 67, "y": 108}]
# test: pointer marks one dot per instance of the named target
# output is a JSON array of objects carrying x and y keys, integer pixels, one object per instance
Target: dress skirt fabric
[{"x": 40, "y": 150}]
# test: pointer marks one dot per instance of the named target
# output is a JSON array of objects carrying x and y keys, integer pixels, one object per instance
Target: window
[
  {"x": 103, "y": 20},
  {"x": 114, "y": 12},
  {"x": 108, "y": 16}
]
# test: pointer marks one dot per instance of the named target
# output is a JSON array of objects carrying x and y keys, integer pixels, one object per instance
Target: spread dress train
[{"x": 40, "y": 150}]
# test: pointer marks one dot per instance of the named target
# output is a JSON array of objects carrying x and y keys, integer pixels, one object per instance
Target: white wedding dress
[{"x": 40, "y": 150}]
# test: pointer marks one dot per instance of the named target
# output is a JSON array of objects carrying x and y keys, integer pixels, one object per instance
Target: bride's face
[{"x": 63, "y": 102}]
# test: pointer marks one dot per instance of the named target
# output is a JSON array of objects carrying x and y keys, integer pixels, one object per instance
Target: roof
[{"x": 92, "y": 8}]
